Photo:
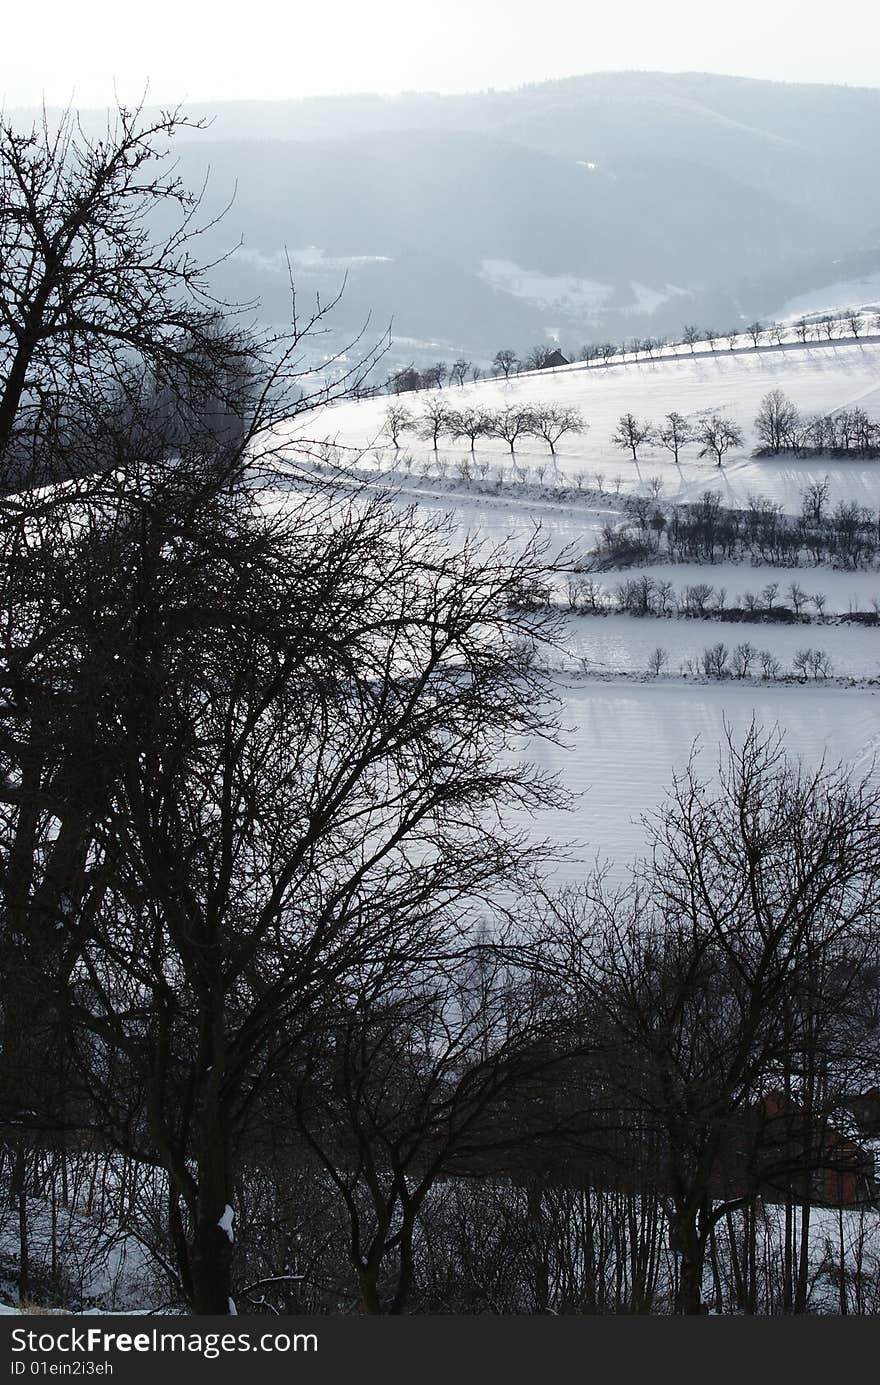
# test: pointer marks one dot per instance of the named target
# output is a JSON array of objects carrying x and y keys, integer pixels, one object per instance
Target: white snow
[
  {"x": 627, "y": 737},
  {"x": 623, "y": 643},
  {"x": 546, "y": 290},
  {"x": 833, "y": 298},
  {"x": 100, "y": 1262},
  {"x": 821, "y": 378},
  {"x": 625, "y": 740},
  {"x": 226, "y": 1221}
]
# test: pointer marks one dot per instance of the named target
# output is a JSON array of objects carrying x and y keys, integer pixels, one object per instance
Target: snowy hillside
[
  {"x": 822, "y": 377},
  {"x": 623, "y": 742},
  {"x": 625, "y": 732},
  {"x": 843, "y": 293}
]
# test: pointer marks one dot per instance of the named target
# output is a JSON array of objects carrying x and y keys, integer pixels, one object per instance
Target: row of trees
[
  {"x": 714, "y": 434},
  {"x": 745, "y": 661},
  {"x": 551, "y": 422},
  {"x": 845, "y": 535},
  {"x": 505, "y": 363},
  {"x": 644, "y": 595},
  {"x": 780, "y": 427},
  {"x": 649, "y": 1073},
  {"x": 434, "y": 377},
  {"x": 851, "y": 325}
]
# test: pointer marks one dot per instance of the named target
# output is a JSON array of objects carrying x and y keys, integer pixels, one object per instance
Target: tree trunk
[
  {"x": 690, "y": 1280},
  {"x": 368, "y": 1282},
  {"x": 537, "y": 1237},
  {"x": 213, "y": 1234},
  {"x": 211, "y": 1262},
  {"x": 803, "y": 1276},
  {"x": 406, "y": 1270},
  {"x": 19, "y": 1190}
]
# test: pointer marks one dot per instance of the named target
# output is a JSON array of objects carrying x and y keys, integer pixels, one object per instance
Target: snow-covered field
[
  {"x": 623, "y": 643},
  {"x": 625, "y": 738},
  {"x": 102, "y": 1266},
  {"x": 573, "y": 528},
  {"x": 623, "y": 742},
  {"x": 846, "y": 591},
  {"x": 821, "y": 378}
]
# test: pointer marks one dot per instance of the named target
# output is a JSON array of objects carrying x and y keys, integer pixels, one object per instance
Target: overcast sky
[{"x": 60, "y": 50}]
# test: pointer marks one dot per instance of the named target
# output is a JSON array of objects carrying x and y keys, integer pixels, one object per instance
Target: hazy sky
[{"x": 59, "y": 50}]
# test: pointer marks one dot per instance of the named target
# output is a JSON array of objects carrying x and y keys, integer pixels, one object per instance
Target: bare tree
[
  {"x": 259, "y": 832},
  {"x": 744, "y": 655},
  {"x": 411, "y": 1075},
  {"x": 717, "y": 435},
  {"x": 697, "y": 596},
  {"x": 699, "y": 979},
  {"x": 504, "y": 362},
  {"x": 435, "y": 375},
  {"x": 675, "y": 433},
  {"x": 511, "y": 423},
  {"x": 714, "y": 660},
  {"x": 470, "y": 424},
  {"x": 813, "y": 500},
  {"x": 856, "y": 323},
  {"x": 769, "y": 594},
  {"x": 756, "y": 331},
  {"x": 398, "y": 420},
  {"x": 435, "y": 421},
  {"x": 797, "y": 596},
  {"x": 630, "y": 434},
  {"x": 770, "y": 665},
  {"x": 777, "y": 421},
  {"x": 90, "y": 292},
  {"x": 657, "y": 661},
  {"x": 405, "y": 381},
  {"x": 553, "y": 421},
  {"x": 814, "y": 663}
]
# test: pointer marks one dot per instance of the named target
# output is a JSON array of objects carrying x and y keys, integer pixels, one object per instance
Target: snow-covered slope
[
  {"x": 843, "y": 294},
  {"x": 623, "y": 742},
  {"x": 821, "y": 377},
  {"x": 625, "y": 737}
]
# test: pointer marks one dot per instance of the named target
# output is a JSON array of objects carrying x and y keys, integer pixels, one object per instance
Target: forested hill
[{"x": 605, "y": 204}]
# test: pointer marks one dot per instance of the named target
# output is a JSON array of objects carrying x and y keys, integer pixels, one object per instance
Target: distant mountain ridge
[{"x": 699, "y": 196}]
